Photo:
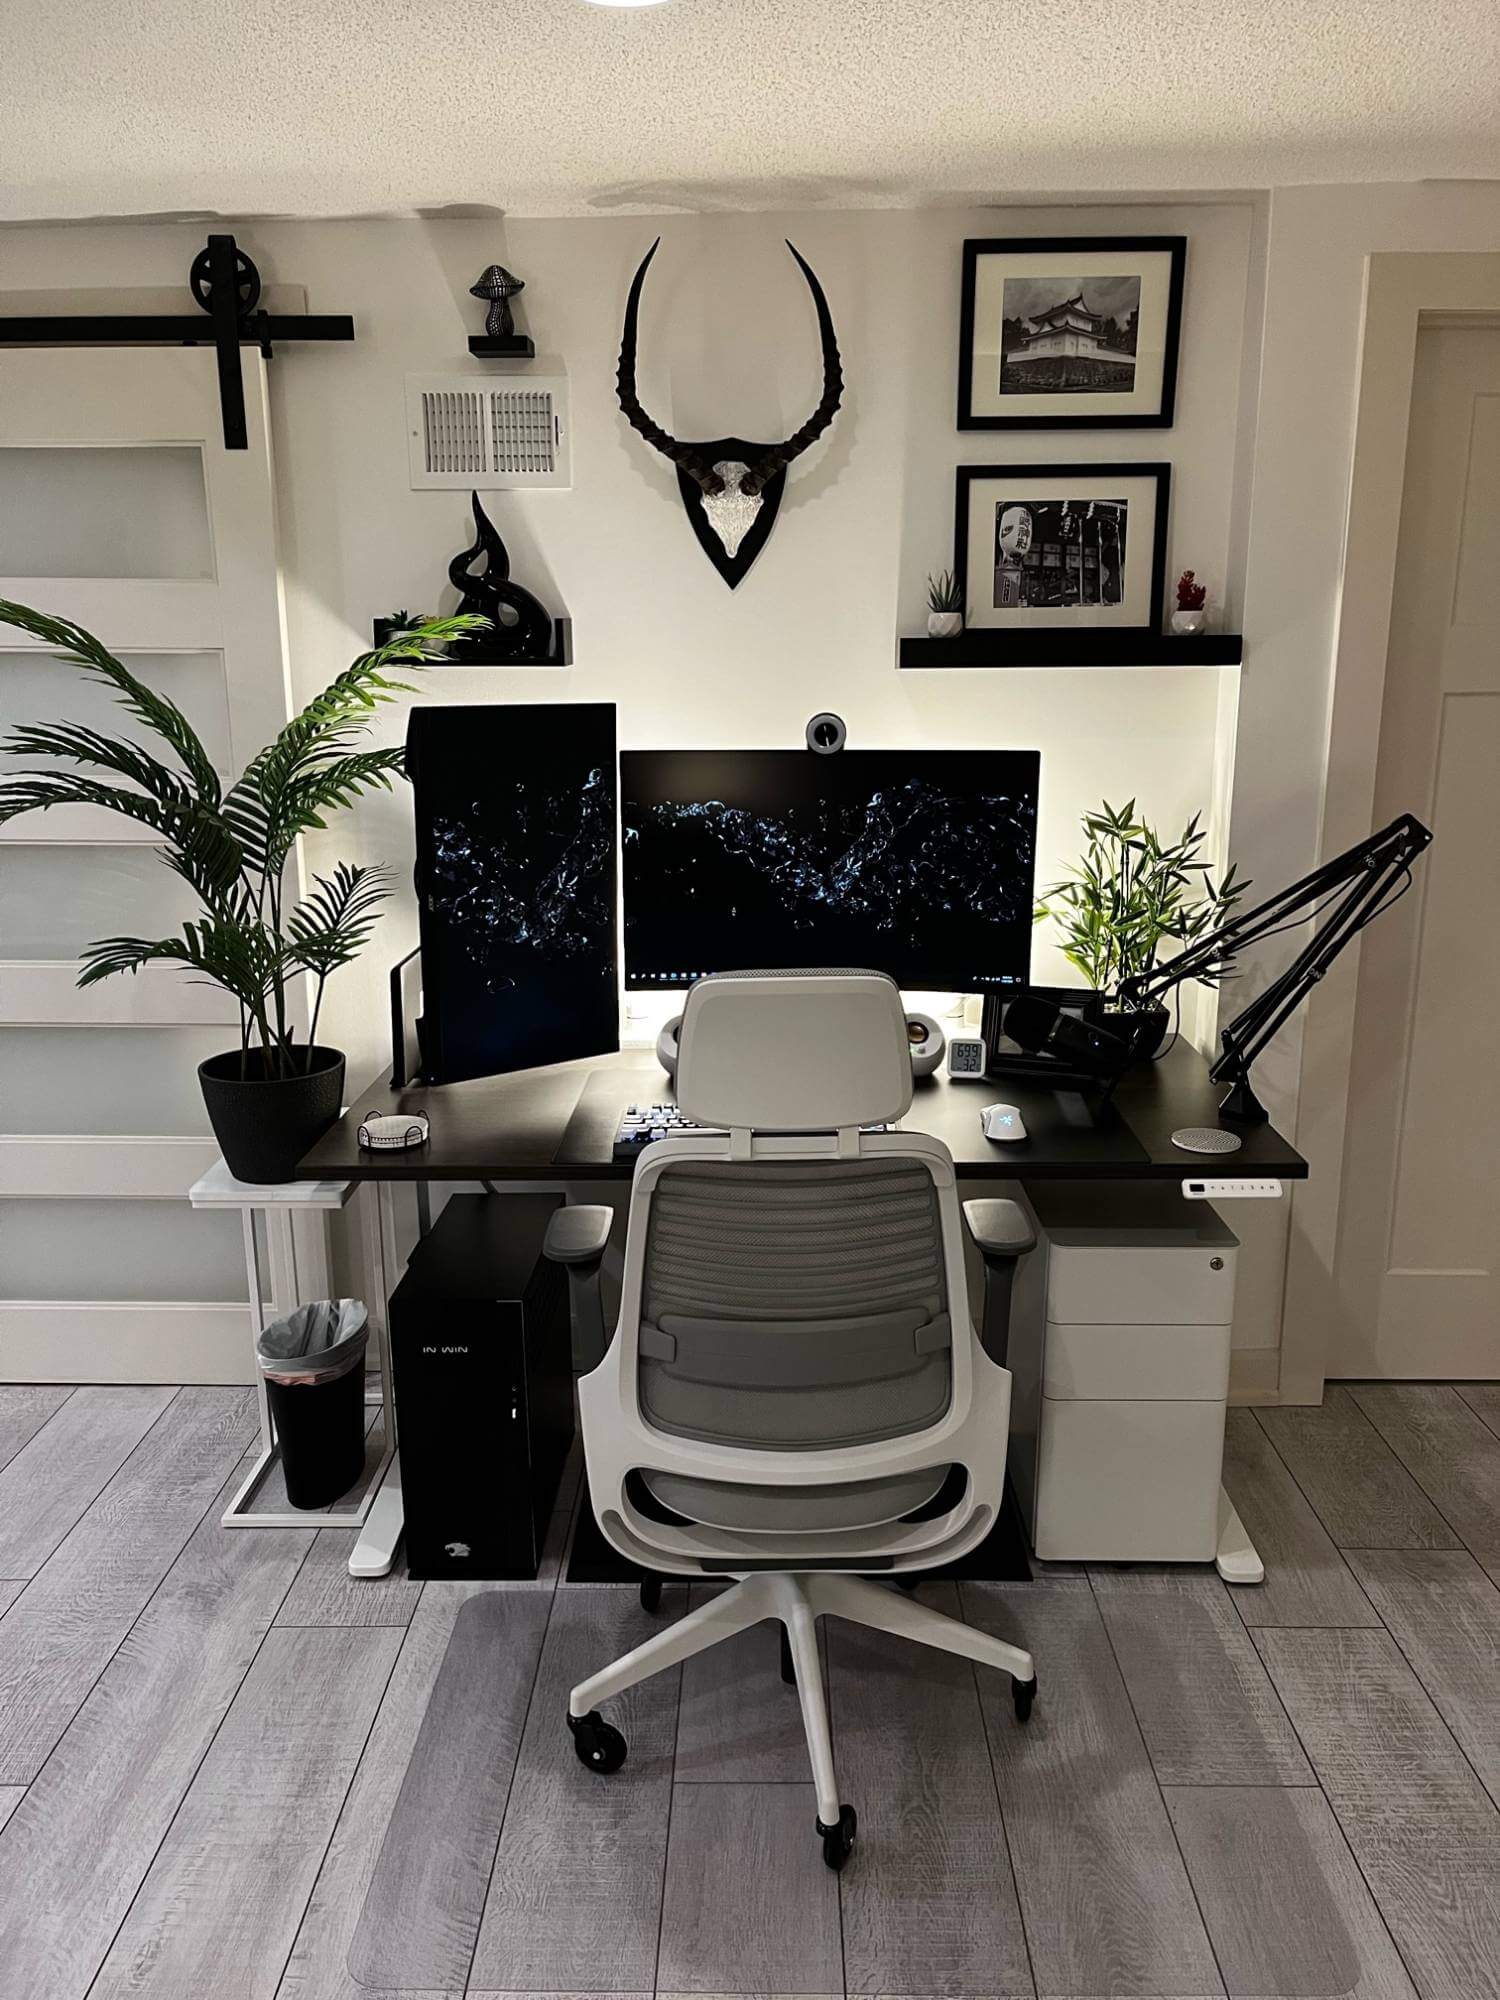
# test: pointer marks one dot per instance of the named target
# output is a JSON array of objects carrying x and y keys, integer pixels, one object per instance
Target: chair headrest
[{"x": 794, "y": 1051}]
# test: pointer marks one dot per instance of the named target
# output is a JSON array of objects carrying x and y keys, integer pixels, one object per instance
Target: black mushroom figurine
[{"x": 499, "y": 286}]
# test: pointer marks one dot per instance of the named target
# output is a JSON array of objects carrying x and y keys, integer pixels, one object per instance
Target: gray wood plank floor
[
  {"x": 228, "y": 1768},
  {"x": 24, "y": 1408},
  {"x": 1307, "y": 1580},
  {"x": 55, "y": 1475},
  {"x": 932, "y": 1906},
  {"x": 58, "y": 1639},
  {"x": 1361, "y": 1492}
]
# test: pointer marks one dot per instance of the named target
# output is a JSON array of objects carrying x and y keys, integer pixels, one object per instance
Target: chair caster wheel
[
  {"x": 598, "y": 1743},
  {"x": 651, "y": 1593},
  {"x": 1023, "y": 1694},
  {"x": 907, "y": 1582},
  {"x": 838, "y": 1839}
]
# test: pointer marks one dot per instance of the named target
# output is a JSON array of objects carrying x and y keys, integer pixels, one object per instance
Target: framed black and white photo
[
  {"x": 1069, "y": 332},
  {"x": 1046, "y": 548}
]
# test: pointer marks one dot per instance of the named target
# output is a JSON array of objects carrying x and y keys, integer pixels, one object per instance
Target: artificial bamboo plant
[
  {"x": 1131, "y": 893},
  {"x": 231, "y": 846}
]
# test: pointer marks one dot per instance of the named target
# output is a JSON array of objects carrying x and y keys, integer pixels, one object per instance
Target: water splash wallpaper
[
  {"x": 516, "y": 884},
  {"x": 538, "y": 894},
  {"x": 918, "y": 863}
]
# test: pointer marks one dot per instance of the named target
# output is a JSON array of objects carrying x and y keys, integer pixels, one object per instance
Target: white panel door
[
  {"x": 1417, "y": 1267},
  {"x": 121, "y": 509}
]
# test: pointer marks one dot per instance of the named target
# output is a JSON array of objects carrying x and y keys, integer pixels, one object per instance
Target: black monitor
[
  {"x": 918, "y": 863},
  {"x": 515, "y": 818}
]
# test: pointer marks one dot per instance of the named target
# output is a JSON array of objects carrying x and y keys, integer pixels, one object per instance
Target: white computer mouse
[{"x": 1002, "y": 1122}]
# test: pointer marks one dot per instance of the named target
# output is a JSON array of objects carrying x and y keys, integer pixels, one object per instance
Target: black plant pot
[
  {"x": 1144, "y": 1028},
  {"x": 265, "y": 1123}
]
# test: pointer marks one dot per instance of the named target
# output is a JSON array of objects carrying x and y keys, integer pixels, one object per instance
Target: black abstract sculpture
[
  {"x": 521, "y": 626},
  {"x": 731, "y": 487}
]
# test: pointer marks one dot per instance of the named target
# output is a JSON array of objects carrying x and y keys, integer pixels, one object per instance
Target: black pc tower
[{"x": 482, "y": 1364}]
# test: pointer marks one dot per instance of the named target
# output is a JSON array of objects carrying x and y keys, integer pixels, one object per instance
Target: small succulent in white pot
[{"x": 945, "y": 606}]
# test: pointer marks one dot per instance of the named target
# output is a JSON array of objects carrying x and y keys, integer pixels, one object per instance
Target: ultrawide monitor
[{"x": 918, "y": 863}]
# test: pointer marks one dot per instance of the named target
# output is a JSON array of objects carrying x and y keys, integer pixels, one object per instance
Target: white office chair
[{"x": 794, "y": 1394}]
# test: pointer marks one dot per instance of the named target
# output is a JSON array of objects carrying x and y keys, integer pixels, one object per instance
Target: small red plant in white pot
[{"x": 1192, "y": 597}]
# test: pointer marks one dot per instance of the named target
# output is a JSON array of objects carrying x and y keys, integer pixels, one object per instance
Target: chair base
[{"x": 797, "y": 1600}]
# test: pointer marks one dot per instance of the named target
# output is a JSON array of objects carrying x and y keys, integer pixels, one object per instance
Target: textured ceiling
[{"x": 537, "y": 107}]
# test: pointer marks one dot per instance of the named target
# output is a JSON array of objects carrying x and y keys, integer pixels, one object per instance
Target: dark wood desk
[{"x": 559, "y": 1124}]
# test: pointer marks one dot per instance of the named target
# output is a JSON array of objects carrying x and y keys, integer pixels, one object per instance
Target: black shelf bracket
[{"x": 226, "y": 286}]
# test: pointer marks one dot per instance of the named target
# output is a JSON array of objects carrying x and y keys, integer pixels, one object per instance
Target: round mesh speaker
[{"x": 1206, "y": 1139}]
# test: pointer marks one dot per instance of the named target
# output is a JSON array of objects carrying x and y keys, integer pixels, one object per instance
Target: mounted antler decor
[{"x": 731, "y": 488}]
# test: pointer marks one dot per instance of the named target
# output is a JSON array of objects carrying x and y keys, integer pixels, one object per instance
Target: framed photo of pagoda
[{"x": 1070, "y": 332}]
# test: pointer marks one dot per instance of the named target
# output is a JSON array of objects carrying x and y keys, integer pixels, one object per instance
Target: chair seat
[{"x": 860, "y": 1503}]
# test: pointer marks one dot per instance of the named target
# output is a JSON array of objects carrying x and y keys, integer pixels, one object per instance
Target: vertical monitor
[
  {"x": 920, "y": 864},
  {"x": 516, "y": 884}
]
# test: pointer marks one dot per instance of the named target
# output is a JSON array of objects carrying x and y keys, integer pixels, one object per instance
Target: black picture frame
[
  {"x": 968, "y": 476},
  {"x": 1091, "y": 418}
]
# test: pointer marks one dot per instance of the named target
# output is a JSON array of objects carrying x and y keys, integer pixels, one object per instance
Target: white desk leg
[
  {"x": 375, "y": 1550},
  {"x": 258, "y": 1323},
  {"x": 1237, "y": 1560}
]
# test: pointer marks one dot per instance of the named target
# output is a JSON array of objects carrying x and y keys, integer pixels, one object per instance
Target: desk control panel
[
  {"x": 1235, "y": 1190},
  {"x": 642, "y": 1123}
]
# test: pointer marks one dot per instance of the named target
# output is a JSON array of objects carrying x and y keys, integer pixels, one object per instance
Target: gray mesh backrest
[{"x": 795, "y": 1304}]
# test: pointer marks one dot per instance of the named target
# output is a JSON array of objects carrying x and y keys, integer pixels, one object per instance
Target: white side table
[{"x": 378, "y": 1512}]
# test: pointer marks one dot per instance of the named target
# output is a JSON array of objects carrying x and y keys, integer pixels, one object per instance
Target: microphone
[{"x": 1043, "y": 1028}]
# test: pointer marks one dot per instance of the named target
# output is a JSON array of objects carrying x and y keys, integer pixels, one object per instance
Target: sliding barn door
[{"x": 121, "y": 509}]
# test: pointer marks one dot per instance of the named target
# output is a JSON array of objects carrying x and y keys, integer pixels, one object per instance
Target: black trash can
[{"x": 313, "y": 1362}]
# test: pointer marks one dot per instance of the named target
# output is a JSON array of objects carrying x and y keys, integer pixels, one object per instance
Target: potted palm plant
[
  {"x": 1129, "y": 895},
  {"x": 269, "y": 1098}
]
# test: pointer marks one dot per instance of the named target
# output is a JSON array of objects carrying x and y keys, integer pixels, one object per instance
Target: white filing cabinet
[{"x": 1119, "y": 1349}]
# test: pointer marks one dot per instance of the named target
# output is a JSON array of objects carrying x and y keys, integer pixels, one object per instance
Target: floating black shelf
[
  {"x": 1081, "y": 648},
  {"x": 503, "y": 347},
  {"x": 561, "y": 655}
]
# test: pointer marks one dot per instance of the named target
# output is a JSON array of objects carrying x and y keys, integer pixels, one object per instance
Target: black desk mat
[
  {"x": 588, "y": 1138},
  {"x": 1070, "y": 1135}
]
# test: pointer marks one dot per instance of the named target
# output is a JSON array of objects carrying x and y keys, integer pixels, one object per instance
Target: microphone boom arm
[{"x": 1365, "y": 874}]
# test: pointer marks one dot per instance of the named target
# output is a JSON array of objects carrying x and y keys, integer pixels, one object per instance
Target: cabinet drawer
[
  {"x": 1149, "y": 1285},
  {"x": 1129, "y": 1482},
  {"x": 1161, "y": 1363}
]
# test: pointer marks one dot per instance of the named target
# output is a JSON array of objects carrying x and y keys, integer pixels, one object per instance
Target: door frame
[{"x": 1403, "y": 291}]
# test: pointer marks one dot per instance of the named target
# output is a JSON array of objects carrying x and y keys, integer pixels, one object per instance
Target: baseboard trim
[
  {"x": 59, "y": 1340},
  {"x": 1255, "y": 1375}
]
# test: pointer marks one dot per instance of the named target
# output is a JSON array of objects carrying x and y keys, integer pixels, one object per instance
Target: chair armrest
[
  {"x": 1004, "y": 1236},
  {"x": 578, "y": 1235},
  {"x": 999, "y": 1228},
  {"x": 577, "y": 1238}
]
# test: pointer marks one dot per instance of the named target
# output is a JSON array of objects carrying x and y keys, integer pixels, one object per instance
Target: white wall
[
  {"x": 728, "y": 344},
  {"x": 1318, "y": 241}
]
